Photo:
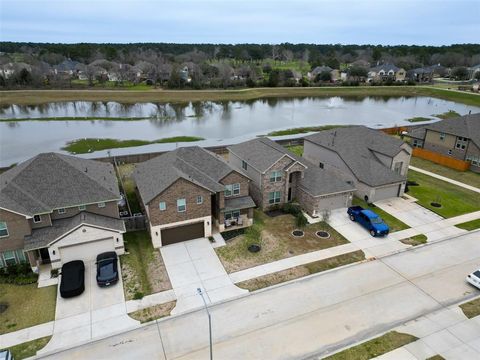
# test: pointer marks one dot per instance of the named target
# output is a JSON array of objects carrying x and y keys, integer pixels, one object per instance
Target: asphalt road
[{"x": 312, "y": 316}]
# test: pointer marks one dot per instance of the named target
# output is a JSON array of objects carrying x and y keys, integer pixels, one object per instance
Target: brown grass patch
[{"x": 154, "y": 312}]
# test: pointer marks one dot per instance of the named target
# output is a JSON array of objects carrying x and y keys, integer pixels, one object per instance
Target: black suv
[{"x": 107, "y": 269}]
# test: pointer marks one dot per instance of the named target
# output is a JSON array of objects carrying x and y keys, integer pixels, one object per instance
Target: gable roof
[
  {"x": 51, "y": 181},
  {"x": 193, "y": 164},
  {"x": 356, "y": 146},
  {"x": 466, "y": 126},
  {"x": 319, "y": 182},
  {"x": 262, "y": 153},
  {"x": 385, "y": 67}
]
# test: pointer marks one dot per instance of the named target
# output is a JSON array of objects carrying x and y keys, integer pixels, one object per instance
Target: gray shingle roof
[
  {"x": 466, "y": 126},
  {"x": 238, "y": 203},
  {"x": 262, "y": 153},
  {"x": 44, "y": 236},
  {"x": 385, "y": 67},
  {"x": 50, "y": 181},
  {"x": 356, "y": 145},
  {"x": 193, "y": 163},
  {"x": 318, "y": 182}
]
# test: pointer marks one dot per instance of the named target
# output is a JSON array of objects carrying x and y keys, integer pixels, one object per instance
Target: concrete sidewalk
[
  {"x": 27, "y": 334},
  {"x": 455, "y": 182}
]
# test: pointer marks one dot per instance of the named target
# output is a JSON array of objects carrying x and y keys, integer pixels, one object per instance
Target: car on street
[
  {"x": 73, "y": 279},
  {"x": 107, "y": 269},
  {"x": 6, "y": 355},
  {"x": 474, "y": 278},
  {"x": 369, "y": 220}
]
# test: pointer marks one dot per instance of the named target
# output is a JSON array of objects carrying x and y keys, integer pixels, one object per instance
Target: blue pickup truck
[{"x": 369, "y": 220}]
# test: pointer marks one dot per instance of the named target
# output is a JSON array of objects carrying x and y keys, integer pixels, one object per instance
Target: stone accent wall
[
  {"x": 18, "y": 227},
  {"x": 180, "y": 189}
]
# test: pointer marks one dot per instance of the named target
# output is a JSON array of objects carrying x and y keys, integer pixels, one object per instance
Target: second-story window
[
  {"x": 275, "y": 176},
  {"x": 244, "y": 165},
  {"x": 162, "y": 206},
  {"x": 37, "y": 219},
  {"x": 82, "y": 207},
  {"x": 228, "y": 190},
  {"x": 442, "y": 136},
  {"x": 236, "y": 189},
  {"x": 461, "y": 143},
  {"x": 181, "y": 205},
  {"x": 199, "y": 199},
  {"x": 61, "y": 211},
  {"x": 3, "y": 229},
  {"x": 101, "y": 204}
]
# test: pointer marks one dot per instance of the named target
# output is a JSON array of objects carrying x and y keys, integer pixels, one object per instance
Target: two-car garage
[{"x": 182, "y": 233}]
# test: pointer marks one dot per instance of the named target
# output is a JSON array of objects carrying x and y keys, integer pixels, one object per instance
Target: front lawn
[
  {"x": 27, "y": 306},
  {"x": 375, "y": 347},
  {"x": 143, "y": 269},
  {"x": 125, "y": 171},
  {"x": 277, "y": 242},
  {"x": 454, "y": 200},
  {"x": 466, "y": 177},
  {"x": 301, "y": 271},
  {"x": 28, "y": 349},
  {"x": 154, "y": 312},
  {"x": 469, "y": 225},
  {"x": 471, "y": 308},
  {"x": 393, "y": 223}
]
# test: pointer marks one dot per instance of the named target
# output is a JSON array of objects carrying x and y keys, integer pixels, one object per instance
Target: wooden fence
[
  {"x": 134, "y": 223},
  {"x": 441, "y": 159}
]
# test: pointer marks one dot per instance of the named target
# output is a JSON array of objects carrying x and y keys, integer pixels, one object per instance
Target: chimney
[{"x": 86, "y": 169}]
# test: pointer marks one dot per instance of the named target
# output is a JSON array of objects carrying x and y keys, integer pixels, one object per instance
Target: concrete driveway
[
  {"x": 97, "y": 312},
  {"x": 194, "y": 264},
  {"x": 408, "y": 211}
]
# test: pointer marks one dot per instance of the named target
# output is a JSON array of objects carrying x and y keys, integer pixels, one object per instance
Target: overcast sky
[{"x": 388, "y": 22}]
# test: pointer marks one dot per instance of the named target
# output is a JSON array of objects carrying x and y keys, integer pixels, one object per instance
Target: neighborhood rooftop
[
  {"x": 356, "y": 146},
  {"x": 52, "y": 181},
  {"x": 193, "y": 163}
]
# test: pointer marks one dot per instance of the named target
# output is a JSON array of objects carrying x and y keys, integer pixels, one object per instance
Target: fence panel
[
  {"x": 134, "y": 223},
  {"x": 441, "y": 159}
]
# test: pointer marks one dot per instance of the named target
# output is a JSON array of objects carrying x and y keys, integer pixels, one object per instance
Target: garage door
[
  {"x": 332, "y": 202},
  {"x": 86, "y": 251},
  {"x": 386, "y": 192},
  {"x": 182, "y": 233}
]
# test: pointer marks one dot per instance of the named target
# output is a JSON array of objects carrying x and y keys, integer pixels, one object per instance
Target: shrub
[
  {"x": 253, "y": 235},
  {"x": 227, "y": 235},
  {"x": 293, "y": 209},
  {"x": 301, "y": 220},
  {"x": 54, "y": 273},
  {"x": 138, "y": 295}
]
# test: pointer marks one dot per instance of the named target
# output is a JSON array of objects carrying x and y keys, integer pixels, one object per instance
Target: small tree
[
  {"x": 460, "y": 73},
  {"x": 324, "y": 76}
]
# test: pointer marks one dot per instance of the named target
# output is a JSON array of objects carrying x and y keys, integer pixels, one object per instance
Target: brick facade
[{"x": 18, "y": 227}]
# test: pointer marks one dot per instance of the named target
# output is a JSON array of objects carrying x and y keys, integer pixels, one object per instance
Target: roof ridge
[
  {"x": 194, "y": 167},
  {"x": 27, "y": 194}
]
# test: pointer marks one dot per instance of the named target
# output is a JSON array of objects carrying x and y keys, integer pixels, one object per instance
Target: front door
[
  {"x": 45, "y": 256},
  {"x": 289, "y": 194}
]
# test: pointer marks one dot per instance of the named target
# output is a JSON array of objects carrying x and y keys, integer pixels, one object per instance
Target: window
[
  {"x": 82, "y": 208},
  {"x": 3, "y": 229},
  {"x": 461, "y": 143},
  {"x": 234, "y": 214},
  {"x": 101, "y": 204},
  {"x": 37, "y": 219},
  {"x": 320, "y": 165},
  {"x": 236, "y": 189},
  {"x": 228, "y": 190},
  {"x": 181, "y": 205},
  {"x": 199, "y": 199},
  {"x": 442, "y": 136},
  {"x": 275, "y": 176},
  {"x": 449, "y": 152},
  {"x": 274, "y": 197},
  {"x": 244, "y": 165},
  {"x": 474, "y": 160},
  {"x": 417, "y": 143},
  {"x": 9, "y": 258},
  {"x": 398, "y": 167},
  {"x": 162, "y": 205},
  {"x": 20, "y": 255},
  {"x": 61, "y": 211}
]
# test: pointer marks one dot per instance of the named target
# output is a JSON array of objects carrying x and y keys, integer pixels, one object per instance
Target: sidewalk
[
  {"x": 451, "y": 181},
  {"x": 27, "y": 334}
]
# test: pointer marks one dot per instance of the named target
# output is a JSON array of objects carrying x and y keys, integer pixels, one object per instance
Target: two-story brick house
[
  {"x": 458, "y": 138},
  {"x": 187, "y": 191},
  {"x": 279, "y": 176},
  {"x": 55, "y": 208},
  {"x": 377, "y": 163}
]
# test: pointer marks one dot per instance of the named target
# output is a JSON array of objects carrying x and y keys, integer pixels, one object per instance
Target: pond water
[{"x": 218, "y": 122}]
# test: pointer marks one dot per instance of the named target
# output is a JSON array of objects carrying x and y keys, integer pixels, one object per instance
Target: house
[
  {"x": 189, "y": 191},
  {"x": 386, "y": 72},
  {"x": 67, "y": 67},
  {"x": 420, "y": 74},
  {"x": 279, "y": 176},
  {"x": 56, "y": 208},
  {"x": 377, "y": 163},
  {"x": 457, "y": 138}
]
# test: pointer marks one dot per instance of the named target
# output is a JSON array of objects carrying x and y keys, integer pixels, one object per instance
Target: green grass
[
  {"x": 415, "y": 240},
  {"x": 83, "y": 146},
  {"x": 296, "y": 149},
  {"x": 450, "y": 114},
  {"x": 469, "y": 225},
  {"x": 418, "y": 119},
  {"x": 393, "y": 223},
  {"x": 375, "y": 347},
  {"x": 125, "y": 172},
  {"x": 466, "y": 177},
  {"x": 303, "y": 130},
  {"x": 471, "y": 308},
  {"x": 28, "y": 349},
  {"x": 27, "y": 306},
  {"x": 455, "y": 200},
  {"x": 126, "y": 85},
  {"x": 336, "y": 261},
  {"x": 435, "y": 357}
]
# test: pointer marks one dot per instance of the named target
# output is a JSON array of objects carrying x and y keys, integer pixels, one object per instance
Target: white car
[{"x": 474, "y": 278}]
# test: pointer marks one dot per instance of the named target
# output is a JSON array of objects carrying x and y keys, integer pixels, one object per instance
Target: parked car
[
  {"x": 6, "y": 355},
  {"x": 73, "y": 279},
  {"x": 474, "y": 278},
  {"x": 369, "y": 220},
  {"x": 107, "y": 269}
]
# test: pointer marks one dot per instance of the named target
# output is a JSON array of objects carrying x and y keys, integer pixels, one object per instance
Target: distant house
[
  {"x": 385, "y": 72},
  {"x": 334, "y": 73},
  {"x": 67, "y": 67},
  {"x": 10, "y": 69},
  {"x": 420, "y": 75},
  {"x": 458, "y": 138},
  {"x": 376, "y": 162}
]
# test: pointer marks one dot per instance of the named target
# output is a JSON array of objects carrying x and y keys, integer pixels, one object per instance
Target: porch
[{"x": 237, "y": 214}]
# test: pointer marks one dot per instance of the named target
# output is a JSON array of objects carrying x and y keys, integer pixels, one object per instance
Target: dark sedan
[
  {"x": 107, "y": 269},
  {"x": 73, "y": 279}
]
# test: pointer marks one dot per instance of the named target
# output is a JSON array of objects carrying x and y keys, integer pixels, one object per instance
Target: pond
[{"x": 218, "y": 122}]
